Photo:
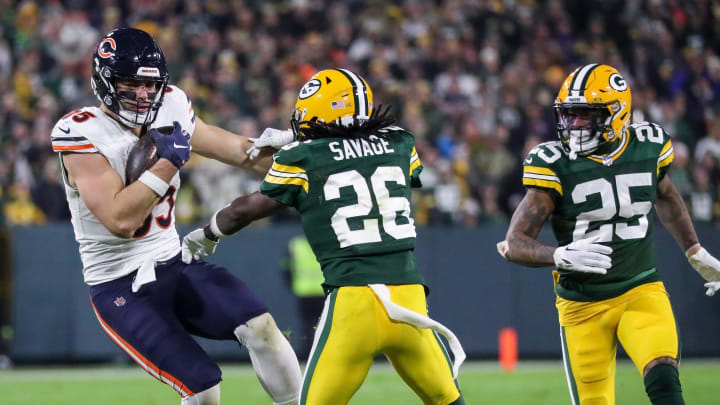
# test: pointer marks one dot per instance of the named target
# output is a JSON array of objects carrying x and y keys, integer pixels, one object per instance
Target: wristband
[
  {"x": 156, "y": 184},
  {"x": 214, "y": 226},
  {"x": 691, "y": 248},
  {"x": 209, "y": 234}
]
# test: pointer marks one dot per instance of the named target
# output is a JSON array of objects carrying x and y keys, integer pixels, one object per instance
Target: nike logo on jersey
[
  {"x": 179, "y": 146},
  {"x": 67, "y": 131}
]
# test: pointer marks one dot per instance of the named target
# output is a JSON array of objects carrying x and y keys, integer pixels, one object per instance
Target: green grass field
[{"x": 535, "y": 383}]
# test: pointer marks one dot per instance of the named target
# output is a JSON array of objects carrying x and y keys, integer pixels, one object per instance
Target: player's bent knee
[
  {"x": 589, "y": 367},
  {"x": 662, "y": 384},
  {"x": 272, "y": 357},
  {"x": 660, "y": 360},
  {"x": 210, "y": 396},
  {"x": 593, "y": 376},
  {"x": 259, "y": 332}
]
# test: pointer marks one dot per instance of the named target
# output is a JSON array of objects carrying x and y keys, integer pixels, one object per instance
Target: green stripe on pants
[
  {"x": 568, "y": 369},
  {"x": 318, "y": 347},
  {"x": 447, "y": 356}
]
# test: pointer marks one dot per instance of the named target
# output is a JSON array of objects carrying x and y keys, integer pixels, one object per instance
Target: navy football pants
[{"x": 153, "y": 326}]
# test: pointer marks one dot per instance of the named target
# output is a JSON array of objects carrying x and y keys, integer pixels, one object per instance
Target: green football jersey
[
  {"x": 353, "y": 196},
  {"x": 609, "y": 198}
]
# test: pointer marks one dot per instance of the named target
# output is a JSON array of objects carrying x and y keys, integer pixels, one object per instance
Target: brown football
[{"x": 143, "y": 156}]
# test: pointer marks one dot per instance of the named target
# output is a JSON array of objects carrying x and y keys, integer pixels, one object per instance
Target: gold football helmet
[
  {"x": 592, "y": 108},
  {"x": 332, "y": 96}
]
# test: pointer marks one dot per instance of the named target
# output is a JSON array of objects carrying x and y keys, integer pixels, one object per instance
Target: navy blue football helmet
[{"x": 129, "y": 54}]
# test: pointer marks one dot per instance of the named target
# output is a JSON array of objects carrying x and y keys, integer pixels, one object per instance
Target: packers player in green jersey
[
  {"x": 349, "y": 174},
  {"x": 599, "y": 185}
]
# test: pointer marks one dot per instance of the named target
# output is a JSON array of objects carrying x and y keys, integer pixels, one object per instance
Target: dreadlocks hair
[{"x": 379, "y": 119}]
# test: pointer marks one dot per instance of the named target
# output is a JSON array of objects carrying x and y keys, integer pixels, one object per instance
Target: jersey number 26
[{"x": 389, "y": 207}]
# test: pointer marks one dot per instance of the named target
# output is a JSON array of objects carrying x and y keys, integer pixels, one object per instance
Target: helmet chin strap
[
  {"x": 126, "y": 118},
  {"x": 131, "y": 118},
  {"x": 574, "y": 145},
  {"x": 581, "y": 147},
  {"x": 135, "y": 119}
]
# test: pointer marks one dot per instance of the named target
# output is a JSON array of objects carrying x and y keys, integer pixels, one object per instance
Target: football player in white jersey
[{"x": 146, "y": 299}]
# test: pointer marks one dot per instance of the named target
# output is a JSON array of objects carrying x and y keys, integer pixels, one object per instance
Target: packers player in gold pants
[
  {"x": 355, "y": 327},
  {"x": 349, "y": 175},
  {"x": 599, "y": 185}
]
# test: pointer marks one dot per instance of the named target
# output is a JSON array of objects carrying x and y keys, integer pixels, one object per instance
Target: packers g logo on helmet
[
  {"x": 333, "y": 96},
  {"x": 309, "y": 89},
  {"x": 592, "y": 108},
  {"x": 617, "y": 82}
]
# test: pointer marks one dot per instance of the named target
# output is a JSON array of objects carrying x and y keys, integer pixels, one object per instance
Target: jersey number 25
[{"x": 608, "y": 210}]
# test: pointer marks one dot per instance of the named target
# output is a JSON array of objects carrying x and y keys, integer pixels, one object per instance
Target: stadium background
[{"x": 473, "y": 80}]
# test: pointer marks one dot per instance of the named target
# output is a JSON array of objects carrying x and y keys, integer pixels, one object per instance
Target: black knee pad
[{"x": 662, "y": 384}]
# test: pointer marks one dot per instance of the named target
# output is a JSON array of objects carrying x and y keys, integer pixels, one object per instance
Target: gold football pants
[
  {"x": 640, "y": 319},
  {"x": 354, "y": 328}
]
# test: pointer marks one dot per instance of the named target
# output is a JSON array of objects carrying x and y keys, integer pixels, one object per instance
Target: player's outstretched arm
[
  {"x": 227, "y": 147},
  {"x": 225, "y": 222},
  {"x": 676, "y": 219},
  {"x": 521, "y": 246},
  {"x": 525, "y": 225},
  {"x": 121, "y": 209},
  {"x": 244, "y": 210}
]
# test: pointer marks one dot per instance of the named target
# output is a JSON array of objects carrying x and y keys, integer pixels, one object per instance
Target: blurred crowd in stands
[{"x": 474, "y": 80}]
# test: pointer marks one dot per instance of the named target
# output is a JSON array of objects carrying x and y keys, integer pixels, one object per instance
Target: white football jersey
[{"x": 105, "y": 256}]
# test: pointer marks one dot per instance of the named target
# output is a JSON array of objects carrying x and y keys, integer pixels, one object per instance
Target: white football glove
[
  {"x": 503, "y": 247},
  {"x": 708, "y": 267},
  {"x": 196, "y": 245},
  {"x": 585, "y": 256},
  {"x": 271, "y": 137}
]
